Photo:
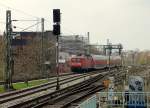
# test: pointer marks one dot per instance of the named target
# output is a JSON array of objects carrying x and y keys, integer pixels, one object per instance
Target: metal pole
[
  {"x": 109, "y": 61},
  {"x": 42, "y": 34},
  {"x": 57, "y": 62},
  {"x": 9, "y": 69},
  {"x": 88, "y": 34},
  {"x": 88, "y": 43},
  {"x": 122, "y": 60},
  {"x": 133, "y": 58},
  {"x": 109, "y": 56},
  {"x": 108, "y": 53}
]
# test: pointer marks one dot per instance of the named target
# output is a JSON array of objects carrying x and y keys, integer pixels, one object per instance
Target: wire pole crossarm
[{"x": 24, "y": 20}]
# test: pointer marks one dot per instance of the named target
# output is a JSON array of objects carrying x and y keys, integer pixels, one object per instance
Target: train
[{"x": 86, "y": 63}]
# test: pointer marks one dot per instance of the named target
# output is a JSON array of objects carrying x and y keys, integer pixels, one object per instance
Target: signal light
[
  {"x": 56, "y": 15},
  {"x": 56, "y": 29}
]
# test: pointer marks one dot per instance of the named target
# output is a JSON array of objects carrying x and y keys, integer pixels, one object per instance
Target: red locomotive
[{"x": 84, "y": 63}]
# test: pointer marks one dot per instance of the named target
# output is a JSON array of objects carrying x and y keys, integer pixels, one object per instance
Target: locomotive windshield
[{"x": 76, "y": 60}]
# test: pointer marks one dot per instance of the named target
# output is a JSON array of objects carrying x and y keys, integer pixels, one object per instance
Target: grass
[
  {"x": 1, "y": 71},
  {"x": 22, "y": 85},
  {"x": 1, "y": 89}
]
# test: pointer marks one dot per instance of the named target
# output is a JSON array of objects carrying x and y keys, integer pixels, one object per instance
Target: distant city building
[{"x": 73, "y": 44}]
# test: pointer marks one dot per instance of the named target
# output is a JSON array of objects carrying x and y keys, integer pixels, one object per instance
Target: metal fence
[
  {"x": 89, "y": 103},
  {"x": 124, "y": 99},
  {"x": 118, "y": 100}
]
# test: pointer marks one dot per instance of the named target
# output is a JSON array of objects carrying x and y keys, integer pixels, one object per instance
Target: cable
[
  {"x": 18, "y": 10},
  {"x": 70, "y": 32},
  {"x": 31, "y": 26},
  {"x": 19, "y": 27}
]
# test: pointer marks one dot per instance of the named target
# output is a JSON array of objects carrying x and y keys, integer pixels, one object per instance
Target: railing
[
  {"x": 89, "y": 103},
  {"x": 124, "y": 99},
  {"x": 117, "y": 100}
]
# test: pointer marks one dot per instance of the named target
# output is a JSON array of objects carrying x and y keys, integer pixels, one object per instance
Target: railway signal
[
  {"x": 56, "y": 31},
  {"x": 56, "y": 15},
  {"x": 56, "y": 20}
]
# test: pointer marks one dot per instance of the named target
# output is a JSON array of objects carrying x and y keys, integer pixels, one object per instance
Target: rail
[
  {"x": 5, "y": 97},
  {"x": 54, "y": 96}
]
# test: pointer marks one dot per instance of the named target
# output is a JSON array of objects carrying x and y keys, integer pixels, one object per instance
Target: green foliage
[
  {"x": 2, "y": 89},
  {"x": 23, "y": 85},
  {"x": 30, "y": 84}
]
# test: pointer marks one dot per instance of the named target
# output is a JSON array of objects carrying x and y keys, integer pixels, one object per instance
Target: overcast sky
[{"x": 121, "y": 21}]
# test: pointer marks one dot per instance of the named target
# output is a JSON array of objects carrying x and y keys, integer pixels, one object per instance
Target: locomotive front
[{"x": 76, "y": 64}]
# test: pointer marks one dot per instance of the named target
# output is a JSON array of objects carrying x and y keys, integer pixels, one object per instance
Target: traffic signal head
[
  {"x": 56, "y": 15},
  {"x": 56, "y": 29}
]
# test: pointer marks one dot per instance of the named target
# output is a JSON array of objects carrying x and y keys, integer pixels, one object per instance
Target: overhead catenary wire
[
  {"x": 31, "y": 26},
  {"x": 31, "y": 15},
  {"x": 23, "y": 12},
  {"x": 18, "y": 10},
  {"x": 66, "y": 29},
  {"x": 23, "y": 29}
]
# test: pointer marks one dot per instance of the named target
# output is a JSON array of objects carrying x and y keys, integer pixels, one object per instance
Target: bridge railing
[
  {"x": 117, "y": 100},
  {"x": 89, "y": 103},
  {"x": 124, "y": 99}
]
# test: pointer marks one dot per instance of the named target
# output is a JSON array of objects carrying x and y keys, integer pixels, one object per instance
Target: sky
[{"x": 120, "y": 21}]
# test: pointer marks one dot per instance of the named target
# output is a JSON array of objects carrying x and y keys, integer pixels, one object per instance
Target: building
[{"x": 73, "y": 44}]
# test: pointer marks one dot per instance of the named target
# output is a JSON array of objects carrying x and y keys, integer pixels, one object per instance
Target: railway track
[
  {"x": 51, "y": 81},
  {"x": 66, "y": 99},
  {"x": 52, "y": 77},
  {"x": 72, "y": 98},
  {"x": 57, "y": 95},
  {"x": 8, "y": 97},
  {"x": 85, "y": 88}
]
